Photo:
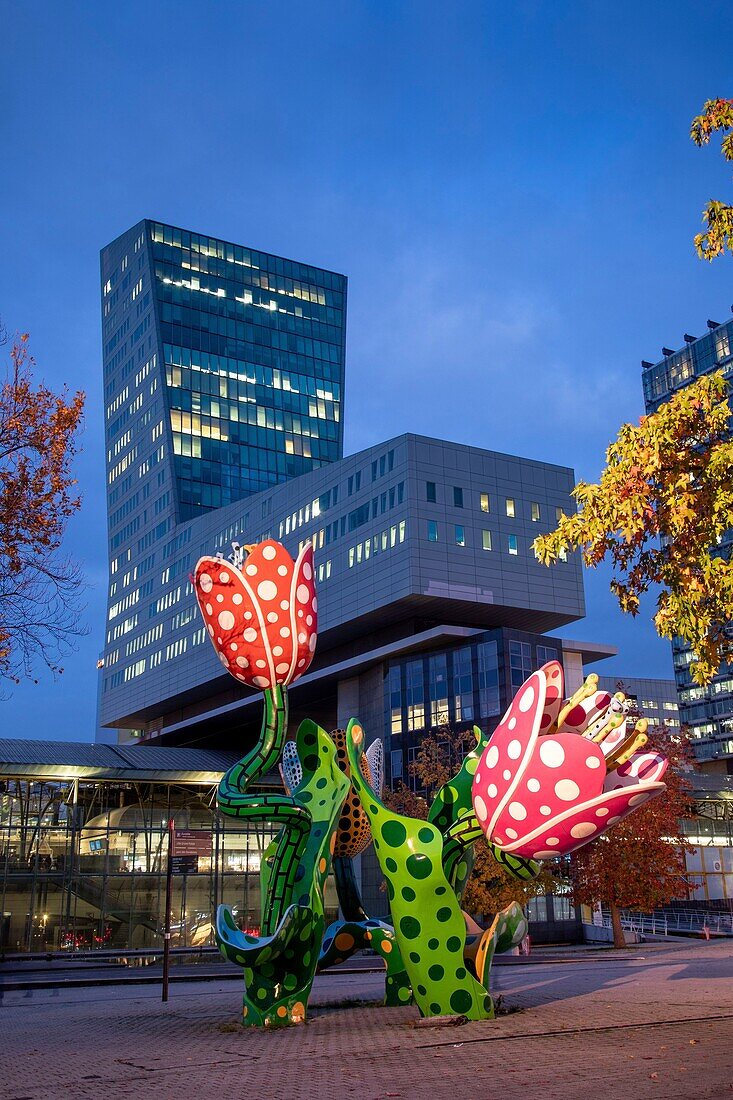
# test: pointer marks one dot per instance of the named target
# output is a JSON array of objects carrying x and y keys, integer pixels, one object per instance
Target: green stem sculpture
[
  {"x": 426, "y": 866},
  {"x": 280, "y": 963}
]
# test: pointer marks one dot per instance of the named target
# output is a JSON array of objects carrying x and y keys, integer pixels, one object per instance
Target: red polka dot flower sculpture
[
  {"x": 262, "y": 618},
  {"x": 260, "y": 611},
  {"x": 556, "y": 774}
]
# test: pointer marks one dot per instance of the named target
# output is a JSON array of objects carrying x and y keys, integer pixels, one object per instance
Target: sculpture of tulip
[
  {"x": 555, "y": 775},
  {"x": 262, "y": 618}
]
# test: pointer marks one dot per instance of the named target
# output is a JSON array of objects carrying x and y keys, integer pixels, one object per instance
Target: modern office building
[
  {"x": 708, "y": 711},
  {"x": 420, "y": 546}
]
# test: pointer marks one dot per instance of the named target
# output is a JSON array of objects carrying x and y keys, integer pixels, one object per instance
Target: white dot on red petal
[
  {"x": 279, "y": 669},
  {"x": 284, "y": 605},
  {"x": 612, "y": 820},
  {"x": 301, "y": 663},
  {"x": 300, "y": 614},
  {"x": 492, "y": 757},
  {"x": 251, "y": 570},
  {"x": 315, "y": 604},
  {"x": 533, "y": 785},
  {"x": 248, "y": 614},
  {"x": 269, "y": 553},
  {"x": 527, "y": 699},
  {"x": 237, "y": 598},
  {"x": 583, "y": 828},
  {"x": 544, "y": 854},
  {"x": 637, "y": 798},
  {"x": 511, "y": 723},
  {"x": 545, "y": 810},
  {"x": 241, "y": 677},
  {"x": 205, "y": 582},
  {"x": 209, "y": 609},
  {"x": 220, "y": 598},
  {"x": 492, "y": 790},
  {"x": 592, "y": 762},
  {"x": 272, "y": 617},
  {"x": 312, "y": 642},
  {"x": 552, "y": 841},
  {"x": 210, "y": 630},
  {"x": 277, "y": 650},
  {"x": 261, "y": 681},
  {"x": 302, "y": 639},
  {"x": 511, "y": 833},
  {"x": 226, "y": 620},
  {"x": 480, "y": 807},
  {"x": 284, "y": 631},
  {"x": 602, "y": 812},
  {"x": 267, "y": 590},
  {"x": 567, "y": 790},
  {"x": 517, "y": 811},
  {"x": 307, "y": 571},
  {"x": 261, "y": 664},
  {"x": 224, "y": 659},
  {"x": 282, "y": 570},
  {"x": 303, "y": 593},
  {"x": 552, "y": 754},
  {"x": 514, "y": 750},
  {"x": 250, "y": 634},
  {"x": 506, "y": 774},
  {"x": 224, "y": 577},
  {"x": 242, "y": 662},
  {"x": 218, "y": 641},
  {"x": 234, "y": 646},
  {"x": 309, "y": 620}
]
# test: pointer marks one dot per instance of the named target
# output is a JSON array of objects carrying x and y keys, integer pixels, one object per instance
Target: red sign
[{"x": 191, "y": 842}]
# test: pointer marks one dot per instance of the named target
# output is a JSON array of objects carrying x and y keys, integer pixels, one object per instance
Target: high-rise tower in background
[
  {"x": 223, "y": 377},
  {"x": 707, "y": 711}
]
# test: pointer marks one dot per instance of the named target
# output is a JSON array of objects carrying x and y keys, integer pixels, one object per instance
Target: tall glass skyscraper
[
  {"x": 223, "y": 377},
  {"x": 248, "y": 352}
]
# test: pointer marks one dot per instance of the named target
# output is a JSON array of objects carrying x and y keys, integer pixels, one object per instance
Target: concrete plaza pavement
[{"x": 653, "y": 1021}]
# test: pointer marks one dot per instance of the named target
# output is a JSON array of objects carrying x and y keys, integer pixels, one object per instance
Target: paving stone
[{"x": 655, "y": 1022}]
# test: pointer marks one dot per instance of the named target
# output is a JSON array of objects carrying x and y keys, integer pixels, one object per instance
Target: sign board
[
  {"x": 185, "y": 865},
  {"x": 191, "y": 842}
]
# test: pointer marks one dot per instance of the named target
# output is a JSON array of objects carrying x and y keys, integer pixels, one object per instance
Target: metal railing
[{"x": 675, "y": 922}]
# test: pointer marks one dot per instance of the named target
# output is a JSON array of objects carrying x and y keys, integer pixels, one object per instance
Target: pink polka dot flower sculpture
[
  {"x": 556, "y": 774},
  {"x": 262, "y": 618}
]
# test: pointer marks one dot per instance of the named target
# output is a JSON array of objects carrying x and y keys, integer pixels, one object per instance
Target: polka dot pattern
[
  {"x": 251, "y": 614},
  {"x": 353, "y": 834},
  {"x": 539, "y": 796}
]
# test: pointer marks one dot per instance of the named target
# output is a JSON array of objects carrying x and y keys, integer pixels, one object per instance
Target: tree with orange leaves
[
  {"x": 39, "y": 588},
  {"x": 639, "y": 864}
]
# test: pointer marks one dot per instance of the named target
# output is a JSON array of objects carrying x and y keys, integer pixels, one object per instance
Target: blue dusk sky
[{"x": 510, "y": 189}]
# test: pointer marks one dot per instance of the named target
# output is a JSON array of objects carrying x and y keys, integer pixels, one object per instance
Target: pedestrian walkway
[{"x": 630, "y": 1025}]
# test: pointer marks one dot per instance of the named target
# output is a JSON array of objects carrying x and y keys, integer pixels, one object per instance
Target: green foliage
[
  {"x": 658, "y": 513},
  {"x": 717, "y": 216}
]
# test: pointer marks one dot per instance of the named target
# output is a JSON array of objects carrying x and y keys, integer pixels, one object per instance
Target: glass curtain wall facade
[
  {"x": 253, "y": 351},
  {"x": 459, "y": 687},
  {"x": 708, "y": 711},
  {"x": 83, "y": 866}
]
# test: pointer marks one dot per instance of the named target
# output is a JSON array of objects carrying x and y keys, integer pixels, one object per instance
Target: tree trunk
[{"x": 619, "y": 939}]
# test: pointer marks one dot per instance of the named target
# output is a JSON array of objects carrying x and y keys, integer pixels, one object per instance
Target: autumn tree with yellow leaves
[
  {"x": 659, "y": 513},
  {"x": 716, "y": 117}
]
